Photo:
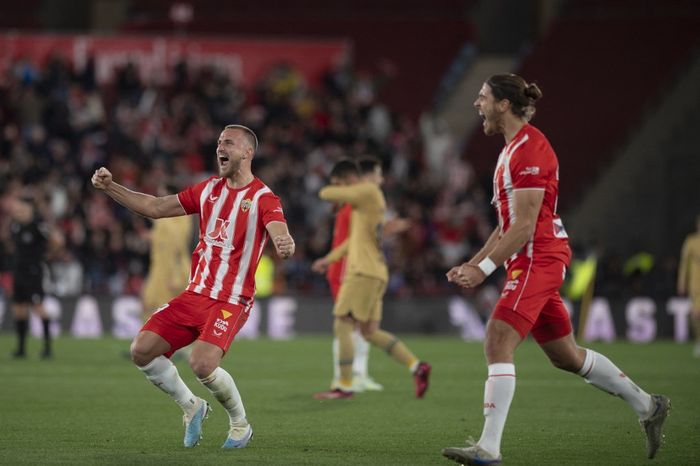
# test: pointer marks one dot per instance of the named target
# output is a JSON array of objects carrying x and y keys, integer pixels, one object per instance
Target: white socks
[
  {"x": 336, "y": 357},
  {"x": 163, "y": 374},
  {"x": 600, "y": 372},
  {"x": 498, "y": 394},
  {"x": 359, "y": 362},
  {"x": 221, "y": 385}
]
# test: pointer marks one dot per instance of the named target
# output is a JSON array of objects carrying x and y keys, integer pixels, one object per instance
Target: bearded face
[
  {"x": 231, "y": 149},
  {"x": 491, "y": 115}
]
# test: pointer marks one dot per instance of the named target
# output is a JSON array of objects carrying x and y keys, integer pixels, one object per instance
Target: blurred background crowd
[{"x": 58, "y": 127}]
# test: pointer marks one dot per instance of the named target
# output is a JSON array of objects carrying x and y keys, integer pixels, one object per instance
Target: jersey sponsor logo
[
  {"x": 213, "y": 198},
  {"x": 530, "y": 171},
  {"x": 515, "y": 274},
  {"x": 510, "y": 286},
  {"x": 220, "y": 324},
  {"x": 245, "y": 204},
  {"x": 220, "y": 230},
  {"x": 490, "y": 405}
]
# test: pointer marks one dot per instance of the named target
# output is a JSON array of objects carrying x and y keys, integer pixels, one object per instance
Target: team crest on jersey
[
  {"x": 515, "y": 274},
  {"x": 245, "y": 205}
]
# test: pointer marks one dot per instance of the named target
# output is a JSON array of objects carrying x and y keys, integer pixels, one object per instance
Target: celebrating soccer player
[
  {"x": 530, "y": 241},
  {"x": 237, "y": 213}
]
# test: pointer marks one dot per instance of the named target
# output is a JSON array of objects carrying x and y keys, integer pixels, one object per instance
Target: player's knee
[
  {"x": 342, "y": 326},
  {"x": 140, "y": 354},
  {"x": 495, "y": 351},
  {"x": 202, "y": 367}
]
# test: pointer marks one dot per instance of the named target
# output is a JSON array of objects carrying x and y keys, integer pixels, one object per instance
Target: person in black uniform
[{"x": 29, "y": 238}]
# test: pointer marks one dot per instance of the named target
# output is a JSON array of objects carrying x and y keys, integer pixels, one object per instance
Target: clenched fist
[
  {"x": 284, "y": 244},
  {"x": 102, "y": 178}
]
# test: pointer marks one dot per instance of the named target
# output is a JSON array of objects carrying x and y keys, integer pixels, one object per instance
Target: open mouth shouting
[{"x": 223, "y": 161}]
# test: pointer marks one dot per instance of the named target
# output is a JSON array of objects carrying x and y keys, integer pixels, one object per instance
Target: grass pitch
[{"x": 91, "y": 406}]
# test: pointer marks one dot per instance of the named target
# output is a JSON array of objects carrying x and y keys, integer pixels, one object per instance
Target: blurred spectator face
[
  {"x": 21, "y": 211},
  {"x": 232, "y": 148}
]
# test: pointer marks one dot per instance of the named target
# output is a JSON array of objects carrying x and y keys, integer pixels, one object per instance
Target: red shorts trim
[
  {"x": 192, "y": 316},
  {"x": 530, "y": 301}
]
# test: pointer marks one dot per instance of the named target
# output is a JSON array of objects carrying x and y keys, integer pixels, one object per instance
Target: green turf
[{"x": 91, "y": 406}]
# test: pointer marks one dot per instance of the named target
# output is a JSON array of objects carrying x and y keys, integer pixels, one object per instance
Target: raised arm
[
  {"x": 351, "y": 194},
  {"x": 283, "y": 241},
  {"x": 140, "y": 203}
]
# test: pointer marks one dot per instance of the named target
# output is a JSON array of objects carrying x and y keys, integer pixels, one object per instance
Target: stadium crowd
[{"x": 58, "y": 125}]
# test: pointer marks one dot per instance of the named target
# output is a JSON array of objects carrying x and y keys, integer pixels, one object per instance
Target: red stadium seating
[
  {"x": 601, "y": 67},
  {"x": 420, "y": 38}
]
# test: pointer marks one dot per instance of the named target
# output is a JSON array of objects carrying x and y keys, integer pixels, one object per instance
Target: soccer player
[
  {"x": 360, "y": 297},
  {"x": 169, "y": 269},
  {"x": 344, "y": 173},
  {"x": 530, "y": 241},
  {"x": 689, "y": 280},
  {"x": 237, "y": 213},
  {"x": 30, "y": 239}
]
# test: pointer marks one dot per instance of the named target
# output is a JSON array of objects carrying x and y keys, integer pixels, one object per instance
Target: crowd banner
[
  {"x": 244, "y": 60},
  {"x": 638, "y": 319}
]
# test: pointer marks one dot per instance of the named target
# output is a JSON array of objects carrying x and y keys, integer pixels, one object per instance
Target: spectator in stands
[{"x": 62, "y": 125}]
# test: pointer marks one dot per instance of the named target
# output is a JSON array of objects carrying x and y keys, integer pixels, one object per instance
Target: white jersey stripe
[
  {"x": 218, "y": 204},
  {"x": 511, "y": 191},
  {"x": 245, "y": 260},
  {"x": 206, "y": 192},
  {"x": 226, "y": 252},
  {"x": 508, "y": 188}
]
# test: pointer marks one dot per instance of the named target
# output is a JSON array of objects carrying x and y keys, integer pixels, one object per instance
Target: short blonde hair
[{"x": 250, "y": 134}]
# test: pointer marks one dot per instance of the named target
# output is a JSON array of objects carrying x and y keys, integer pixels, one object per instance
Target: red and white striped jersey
[
  {"x": 232, "y": 236},
  {"x": 529, "y": 162}
]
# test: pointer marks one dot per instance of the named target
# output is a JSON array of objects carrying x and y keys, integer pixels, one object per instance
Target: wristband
[{"x": 487, "y": 266}]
